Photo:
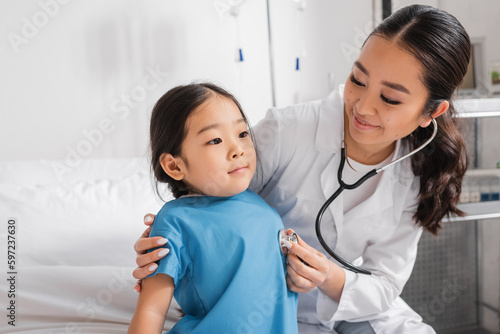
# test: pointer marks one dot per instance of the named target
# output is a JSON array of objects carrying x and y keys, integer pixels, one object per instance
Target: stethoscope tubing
[{"x": 343, "y": 185}]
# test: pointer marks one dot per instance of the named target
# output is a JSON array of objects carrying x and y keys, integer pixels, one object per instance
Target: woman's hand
[
  {"x": 317, "y": 271},
  {"x": 146, "y": 261}
]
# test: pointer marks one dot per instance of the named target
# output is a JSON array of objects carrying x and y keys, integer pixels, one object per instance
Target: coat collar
[{"x": 330, "y": 127}]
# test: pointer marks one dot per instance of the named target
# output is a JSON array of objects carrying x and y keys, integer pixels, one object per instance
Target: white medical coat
[{"x": 299, "y": 153}]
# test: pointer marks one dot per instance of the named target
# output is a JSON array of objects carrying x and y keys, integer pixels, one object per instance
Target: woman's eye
[
  {"x": 244, "y": 134},
  {"x": 389, "y": 101},
  {"x": 356, "y": 82},
  {"x": 215, "y": 141}
]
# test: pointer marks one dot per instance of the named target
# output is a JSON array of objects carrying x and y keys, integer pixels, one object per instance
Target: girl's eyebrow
[
  {"x": 391, "y": 85},
  {"x": 216, "y": 125},
  {"x": 208, "y": 127}
]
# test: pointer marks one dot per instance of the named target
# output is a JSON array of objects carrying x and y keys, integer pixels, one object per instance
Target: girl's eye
[
  {"x": 244, "y": 134},
  {"x": 389, "y": 101},
  {"x": 356, "y": 82},
  {"x": 215, "y": 141}
]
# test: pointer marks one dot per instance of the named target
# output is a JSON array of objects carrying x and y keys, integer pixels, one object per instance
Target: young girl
[{"x": 225, "y": 267}]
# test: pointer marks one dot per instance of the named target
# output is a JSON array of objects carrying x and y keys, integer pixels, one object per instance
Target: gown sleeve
[{"x": 178, "y": 260}]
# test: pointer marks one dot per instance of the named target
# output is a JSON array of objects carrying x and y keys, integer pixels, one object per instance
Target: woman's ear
[
  {"x": 172, "y": 166},
  {"x": 440, "y": 109}
]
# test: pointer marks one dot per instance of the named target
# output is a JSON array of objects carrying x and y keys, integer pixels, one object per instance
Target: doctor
[{"x": 407, "y": 72}]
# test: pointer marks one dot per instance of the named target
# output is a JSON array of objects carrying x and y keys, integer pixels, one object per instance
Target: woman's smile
[{"x": 362, "y": 125}]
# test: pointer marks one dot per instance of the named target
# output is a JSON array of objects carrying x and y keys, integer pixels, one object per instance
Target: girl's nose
[{"x": 238, "y": 153}]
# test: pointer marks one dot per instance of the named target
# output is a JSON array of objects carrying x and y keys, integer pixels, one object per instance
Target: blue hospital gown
[{"x": 226, "y": 263}]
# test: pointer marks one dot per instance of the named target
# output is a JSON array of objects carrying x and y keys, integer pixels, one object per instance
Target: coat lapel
[{"x": 328, "y": 140}]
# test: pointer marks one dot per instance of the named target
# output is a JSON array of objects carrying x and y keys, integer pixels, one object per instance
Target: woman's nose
[{"x": 366, "y": 104}]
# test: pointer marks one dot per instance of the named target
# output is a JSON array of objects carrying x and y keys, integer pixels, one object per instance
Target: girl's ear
[
  {"x": 440, "y": 109},
  {"x": 172, "y": 166}
]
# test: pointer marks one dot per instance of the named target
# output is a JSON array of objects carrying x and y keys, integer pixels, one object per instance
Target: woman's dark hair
[
  {"x": 442, "y": 46},
  {"x": 168, "y": 126}
]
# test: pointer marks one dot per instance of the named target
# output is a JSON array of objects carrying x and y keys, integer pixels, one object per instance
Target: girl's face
[
  {"x": 383, "y": 99},
  {"x": 218, "y": 157}
]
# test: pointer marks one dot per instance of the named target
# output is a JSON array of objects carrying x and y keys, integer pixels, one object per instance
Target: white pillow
[
  {"x": 79, "y": 224},
  {"x": 59, "y": 171}
]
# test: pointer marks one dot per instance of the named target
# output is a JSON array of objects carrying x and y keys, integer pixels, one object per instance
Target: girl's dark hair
[
  {"x": 168, "y": 126},
  {"x": 443, "y": 47}
]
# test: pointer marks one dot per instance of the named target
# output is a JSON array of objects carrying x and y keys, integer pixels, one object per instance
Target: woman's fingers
[
  {"x": 149, "y": 219},
  {"x": 138, "y": 285},
  {"x": 316, "y": 266},
  {"x": 144, "y": 243},
  {"x": 146, "y": 233},
  {"x": 142, "y": 272},
  {"x": 296, "y": 282},
  {"x": 306, "y": 255},
  {"x": 146, "y": 263},
  {"x": 306, "y": 252},
  {"x": 145, "y": 259},
  {"x": 307, "y": 271},
  {"x": 306, "y": 246}
]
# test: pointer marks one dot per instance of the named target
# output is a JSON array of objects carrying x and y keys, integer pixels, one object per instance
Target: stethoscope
[{"x": 342, "y": 185}]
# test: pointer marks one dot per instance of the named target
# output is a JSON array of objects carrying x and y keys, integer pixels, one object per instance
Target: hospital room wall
[
  {"x": 74, "y": 72},
  {"x": 325, "y": 36},
  {"x": 79, "y": 78},
  {"x": 82, "y": 77}
]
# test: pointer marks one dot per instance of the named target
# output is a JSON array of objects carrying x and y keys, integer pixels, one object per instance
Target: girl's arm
[{"x": 152, "y": 305}]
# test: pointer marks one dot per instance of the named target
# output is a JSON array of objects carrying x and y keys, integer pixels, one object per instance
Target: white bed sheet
[{"x": 74, "y": 244}]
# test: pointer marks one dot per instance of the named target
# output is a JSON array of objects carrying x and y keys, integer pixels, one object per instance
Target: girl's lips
[
  {"x": 362, "y": 125},
  {"x": 238, "y": 170}
]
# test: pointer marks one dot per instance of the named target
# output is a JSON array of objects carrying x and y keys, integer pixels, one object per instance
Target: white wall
[
  {"x": 481, "y": 19},
  {"x": 79, "y": 79},
  {"x": 326, "y": 36},
  {"x": 77, "y": 69}
]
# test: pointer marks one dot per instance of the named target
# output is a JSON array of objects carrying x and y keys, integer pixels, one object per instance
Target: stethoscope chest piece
[
  {"x": 292, "y": 237},
  {"x": 283, "y": 236}
]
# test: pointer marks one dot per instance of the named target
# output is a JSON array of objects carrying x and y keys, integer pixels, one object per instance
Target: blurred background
[{"x": 79, "y": 80}]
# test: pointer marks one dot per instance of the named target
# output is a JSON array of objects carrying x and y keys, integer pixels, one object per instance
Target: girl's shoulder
[{"x": 176, "y": 216}]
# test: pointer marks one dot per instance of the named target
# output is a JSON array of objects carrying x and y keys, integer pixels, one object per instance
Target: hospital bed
[{"x": 69, "y": 229}]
